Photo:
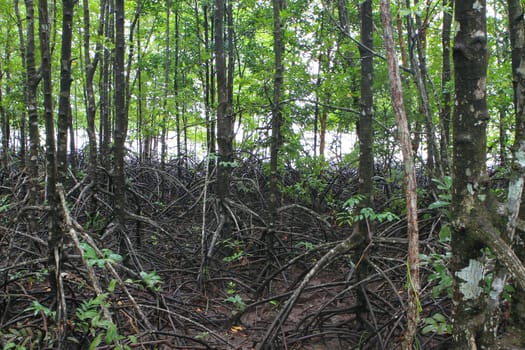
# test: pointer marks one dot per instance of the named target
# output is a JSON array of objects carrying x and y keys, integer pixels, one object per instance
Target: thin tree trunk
[
  {"x": 165, "y": 112},
  {"x": 55, "y": 236},
  {"x": 516, "y": 323},
  {"x": 418, "y": 65},
  {"x": 90, "y": 68},
  {"x": 410, "y": 177},
  {"x": 224, "y": 133},
  {"x": 105, "y": 87},
  {"x": 32, "y": 81},
  {"x": 364, "y": 128},
  {"x": 176, "y": 88},
  {"x": 446, "y": 75},
  {"x": 277, "y": 120},
  {"x": 144, "y": 134},
  {"x": 121, "y": 117},
  {"x": 4, "y": 120},
  {"x": 64, "y": 103},
  {"x": 23, "y": 115}
]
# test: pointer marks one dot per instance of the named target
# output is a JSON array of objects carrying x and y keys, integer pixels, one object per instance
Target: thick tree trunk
[
  {"x": 410, "y": 176},
  {"x": 469, "y": 174}
]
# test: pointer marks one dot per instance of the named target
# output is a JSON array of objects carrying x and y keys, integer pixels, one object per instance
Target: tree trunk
[
  {"x": 469, "y": 174},
  {"x": 90, "y": 68},
  {"x": 224, "y": 114},
  {"x": 176, "y": 88},
  {"x": 32, "y": 81},
  {"x": 64, "y": 104},
  {"x": 105, "y": 87},
  {"x": 418, "y": 65},
  {"x": 165, "y": 112},
  {"x": 211, "y": 123},
  {"x": 121, "y": 127},
  {"x": 23, "y": 115},
  {"x": 516, "y": 323},
  {"x": 364, "y": 127},
  {"x": 410, "y": 176},
  {"x": 55, "y": 235},
  {"x": 446, "y": 102},
  {"x": 4, "y": 120},
  {"x": 277, "y": 119}
]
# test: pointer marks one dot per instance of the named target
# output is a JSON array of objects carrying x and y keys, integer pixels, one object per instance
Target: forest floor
[{"x": 197, "y": 275}]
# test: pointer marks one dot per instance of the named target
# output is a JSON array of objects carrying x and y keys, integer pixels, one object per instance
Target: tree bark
[
  {"x": 32, "y": 81},
  {"x": 90, "y": 68},
  {"x": 55, "y": 234},
  {"x": 105, "y": 86},
  {"x": 224, "y": 114},
  {"x": 410, "y": 176},
  {"x": 364, "y": 127},
  {"x": 469, "y": 174},
  {"x": 4, "y": 120},
  {"x": 515, "y": 197},
  {"x": 446, "y": 75},
  {"x": 277, "y": 120},
  {"x": 23, "y": 115},
  {"x": 418, "y": 65},
  {"x": 64, "y": 104},
  {"x": 165, "y": 112},
  {"x": 121, "y": 122}
]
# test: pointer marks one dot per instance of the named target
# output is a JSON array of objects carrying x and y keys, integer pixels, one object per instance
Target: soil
[{"x": 227, "y": 294}]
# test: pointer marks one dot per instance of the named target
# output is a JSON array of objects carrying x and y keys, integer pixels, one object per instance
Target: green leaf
[
  {"x": 439, "y": 317},
  {"x": 111, "y": 333},
  {"x": 112, "y": 285},
  {"x": 445, "y": 234},
  {"x": 438, "y": 204},
  {"x": 429, "y": 328},
  {"x": 133, "y": 339},
  {"x": 114, "y": 257},
  {"x": 95, "y": 342}
]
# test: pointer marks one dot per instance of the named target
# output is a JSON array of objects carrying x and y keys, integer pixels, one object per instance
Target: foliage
[
  {"x": 4, "y": 204},
  {"x": 312, "y": 184},
  {"x": 37, "y": 308},
  {"x": 93, "y": 259},
  {"x": 237, "y": 247},
  {"x": 152, "y": 280},
  {"x": 437, "y": 324},
  {"x": 440, "y": 275},
  {"x": 445, "y": 196},
  {"x": 234, "y": 298},
  {"x": 352, "y": 213},
  {"x": 91, "y": 321}
]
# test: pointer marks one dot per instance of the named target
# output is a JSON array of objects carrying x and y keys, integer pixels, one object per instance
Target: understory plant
[{"x": 351, "y": 212}]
